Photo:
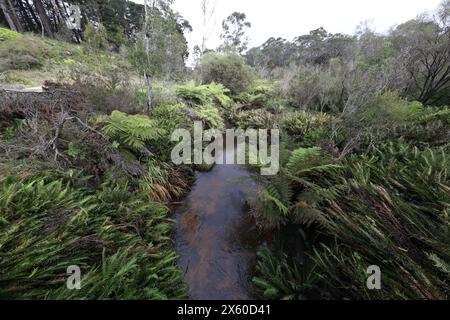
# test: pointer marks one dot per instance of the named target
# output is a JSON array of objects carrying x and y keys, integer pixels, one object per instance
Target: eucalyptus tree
[
  {"x": 161, "y": 48},
  {"x": 423, "y": 47},
  {"x": 234, "y": 32}
]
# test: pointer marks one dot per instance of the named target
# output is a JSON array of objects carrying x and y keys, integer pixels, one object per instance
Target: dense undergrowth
[
  {"x": 83, "y": 187},
  {"x": 74, "y": 191},
  {"x": 86, "y": 177},
  {"x": 385, "y": 203}
]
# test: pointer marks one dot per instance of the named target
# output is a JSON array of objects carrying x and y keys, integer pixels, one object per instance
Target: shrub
[
  {"x": 315, "y": 89},
  {"x": 210, "y": 116},
  {"x": 96, "y": 38},
  {"x": 276, "y": 279},
  {"x": 383, "y": 118},
  {"x": 255, "y": 119},
  {"x": 389, "y": 210},
  {"x": 391, "y": 108},
  {"x": 162, "y": 94},
  {"x": 278, "y": 203},
  {"x": 309, "y": 128},
  {"x": 171, "y": 117},
  {"x": 262, "y": 94},
  {"x": 163, "y": 183},
  {"x": 435, "y": 114},
  {"x": 230, "y": 70},
  {"x": 106, "y": 97},
  {"x": 7, "y": 77}
]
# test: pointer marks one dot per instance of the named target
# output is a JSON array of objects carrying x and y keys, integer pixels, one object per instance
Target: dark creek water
[{"x": 215, "y": 237}]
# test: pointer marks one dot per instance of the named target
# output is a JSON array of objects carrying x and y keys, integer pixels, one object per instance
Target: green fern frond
[
  {"x": 132, "y": 131},
  {"x": 202, "y": 95}
]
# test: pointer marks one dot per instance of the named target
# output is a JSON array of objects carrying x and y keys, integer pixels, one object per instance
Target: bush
[
  {"x": 210, "y": 116},
  {"x": 389, "y": 210},
  {"x": 163, "y": 93},
  {"x": 382, "y": 118},
  {"x": 230, "y": 70},
  {"x": 163, "y": 183},
  {"x": 69, "y": 197},
  {"x": 314, "y": 89},
  {"x": 277, "y": 279},
  {"x": 390, "y": 108},
  {"x": 7, "y": 77},
  {"x": 308, "y": 128},
  {"x": 96, "y": 38},
  {"x": 255, "y": 119},
  {"x": 262, "y": 94}
]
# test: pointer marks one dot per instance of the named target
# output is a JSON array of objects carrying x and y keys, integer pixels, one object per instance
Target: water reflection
[{"x": 215, "y": 239}]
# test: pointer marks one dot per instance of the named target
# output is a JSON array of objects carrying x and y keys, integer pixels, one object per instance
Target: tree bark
[
  {"x": 35, "y": 18},
  {"x": 147, "y": 49},
  {"x": 44, "y": 18},
  {"x": 26, "y": 16},
  {"x": 10, "y": 15}
]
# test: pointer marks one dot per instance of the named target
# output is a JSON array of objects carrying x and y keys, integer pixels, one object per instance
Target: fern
[
  {"x": 304, "y": 161},
  {"x": 277, "y": 279},
  {"x": 132, "y": 131},
  {"x": 202, "y": 95},
  {"x": 118, "y": 238},
  {"x": 440, "y": 264},
  {"x": 210, "y": 117}
]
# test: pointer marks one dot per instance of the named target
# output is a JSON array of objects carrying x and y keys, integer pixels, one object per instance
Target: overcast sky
[{"x": 291, "y": 18}]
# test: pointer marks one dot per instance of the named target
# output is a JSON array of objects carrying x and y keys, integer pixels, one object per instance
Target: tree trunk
[
  {"x": 15, "y": 16},
  {"x": 44, "y": 18},
  {"x": 147, "y": 48},
  {"x": 26, "y": 17},
  {"x": 10, "y": 15},
  {"x": 35, "y": 18}
]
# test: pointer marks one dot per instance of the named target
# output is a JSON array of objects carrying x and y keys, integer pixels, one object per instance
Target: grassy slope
[{"x": 31, "y": 60}]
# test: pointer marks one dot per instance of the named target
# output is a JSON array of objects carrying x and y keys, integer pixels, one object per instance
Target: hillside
[{"x": 31, "y": 60}]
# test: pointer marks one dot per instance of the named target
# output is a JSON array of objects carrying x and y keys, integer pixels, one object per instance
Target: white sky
[{"x": 291, "y": 18}]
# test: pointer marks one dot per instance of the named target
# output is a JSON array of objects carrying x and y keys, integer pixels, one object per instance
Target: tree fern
[
  {"x": 202, "y": 95},
  {"x": 132, "y": 131},
  {"x": 210, "y": 116}
]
